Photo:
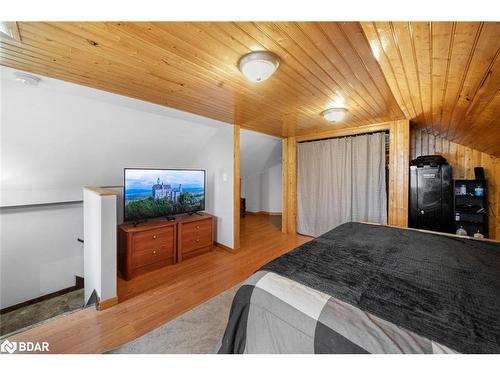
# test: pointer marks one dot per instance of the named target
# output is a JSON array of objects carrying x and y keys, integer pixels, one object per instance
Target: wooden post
[
  {"x": 236, "y": 187},
  {"x": 289, "y": 218},
  {"x": 284, "y": 185},
  {"x": 399, "y": 164}
]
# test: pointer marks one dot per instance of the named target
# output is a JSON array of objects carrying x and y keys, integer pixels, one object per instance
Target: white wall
[
  {"x": 217, "y": 158},
  {"x": 260, "y": 156},
  {"x": 271, "y": 189},
  {"x": 58, "y": 137},
  {"x": 251, "y": 191},
  {"x": 39, "y": 253}
]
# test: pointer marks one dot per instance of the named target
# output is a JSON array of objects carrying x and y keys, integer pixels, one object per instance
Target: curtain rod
[{"x": 386, "y": 132}]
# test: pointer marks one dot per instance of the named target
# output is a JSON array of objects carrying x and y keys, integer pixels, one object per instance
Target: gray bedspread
[{"x": 366, "y": 288}]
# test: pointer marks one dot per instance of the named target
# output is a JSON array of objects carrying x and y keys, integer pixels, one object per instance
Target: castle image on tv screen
[{"x": 162, "y": 192}]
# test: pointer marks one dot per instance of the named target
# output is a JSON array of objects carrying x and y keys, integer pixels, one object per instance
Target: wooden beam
[
  {"x": 236, "y": 187},
  {"x": 399, "y": 164},
  {"x": 284, "y": 185},
  {"x": 289, "y": 218},
  {"x": 345, "y": 132}
]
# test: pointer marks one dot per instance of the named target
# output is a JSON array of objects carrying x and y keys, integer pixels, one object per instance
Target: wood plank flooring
[{"x": 151, "y": 300}]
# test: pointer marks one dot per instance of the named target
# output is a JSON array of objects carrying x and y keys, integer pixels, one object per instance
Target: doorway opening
[{"x": 260, "y": 183}]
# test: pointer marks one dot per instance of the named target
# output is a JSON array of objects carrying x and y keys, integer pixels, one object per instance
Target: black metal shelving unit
[{"x": 471, "y": 208}]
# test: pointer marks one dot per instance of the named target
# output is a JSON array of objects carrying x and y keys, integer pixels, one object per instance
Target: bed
[{"x": 363, "y": 288}]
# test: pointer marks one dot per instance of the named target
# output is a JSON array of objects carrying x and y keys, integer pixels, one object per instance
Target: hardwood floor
[{"x": 150, "y": 300}]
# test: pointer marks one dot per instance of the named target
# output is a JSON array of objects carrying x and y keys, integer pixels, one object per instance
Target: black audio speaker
[{"x": 479, "y": 173}]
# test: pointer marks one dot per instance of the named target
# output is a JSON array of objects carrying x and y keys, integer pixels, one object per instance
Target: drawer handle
[
  {"x": 197, "y": 240},
  {"x": 197, "y": 227},
  {"x": 154, "y": 252},
  {"x": 155, "y": 236}
]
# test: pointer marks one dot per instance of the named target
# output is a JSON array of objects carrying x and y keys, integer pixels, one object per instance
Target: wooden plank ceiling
[
  {"x": 445, "y": 76},
  {"x": 442, "y": 76},
  {"x": 193, "y": 67}
]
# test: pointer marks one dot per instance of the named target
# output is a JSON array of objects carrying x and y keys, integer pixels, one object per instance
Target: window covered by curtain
[{"x": 341, "y": 180}]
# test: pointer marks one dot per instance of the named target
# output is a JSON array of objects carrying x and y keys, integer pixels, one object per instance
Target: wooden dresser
[
  {"x": 158, "y": 243},
  {"x": 195, "y": 236}
]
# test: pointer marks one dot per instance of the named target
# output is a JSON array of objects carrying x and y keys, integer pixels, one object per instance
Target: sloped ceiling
[
  {"x": 258, "y": 152},
  {"x": 445, "y": 76},
  {"x": 442, "y": 76}
]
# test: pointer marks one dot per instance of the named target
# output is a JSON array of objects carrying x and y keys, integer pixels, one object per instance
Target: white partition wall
[{"x": 100, "y": 247}]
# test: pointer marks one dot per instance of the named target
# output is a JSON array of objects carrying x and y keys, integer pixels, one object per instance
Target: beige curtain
[{"x": 341, "y": 180}]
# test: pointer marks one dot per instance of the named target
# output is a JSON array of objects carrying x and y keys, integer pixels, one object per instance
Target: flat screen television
[{"x": 150, "y": 193}]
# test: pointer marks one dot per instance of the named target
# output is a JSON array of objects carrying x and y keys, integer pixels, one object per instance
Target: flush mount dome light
[
  {"x": 258, "y": 66},
  {"x": 27, "y": 79},
  {"x": 334, "y": 114}
]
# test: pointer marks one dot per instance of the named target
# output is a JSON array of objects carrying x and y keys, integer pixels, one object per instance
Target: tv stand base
[{"x": 168, "y": 243}]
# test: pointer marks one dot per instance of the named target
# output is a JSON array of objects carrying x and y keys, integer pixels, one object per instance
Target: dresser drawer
[
  {"x": 194, "y": 242},
  {"x": 152, "y": 255},
  {"x": 197, "y": 227},
  {"x": 194, "y": 236},
  {"x": 153, "y": 238}
]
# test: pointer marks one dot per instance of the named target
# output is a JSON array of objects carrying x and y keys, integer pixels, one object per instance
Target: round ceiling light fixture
[
  {"x": 334, "y": 114},
  {"x": 259, "y": 65},
  {"x": 26, "y": 79}
]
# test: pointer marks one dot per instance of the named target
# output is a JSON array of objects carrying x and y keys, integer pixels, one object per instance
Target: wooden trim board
[
  {"x": 99, "y": 190},
  {"x": 218, "y": 244},
  {"x": 106, "y": 304},
  {"x": 345, "y": 132},
  {"x": 264, "y": 213}
]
